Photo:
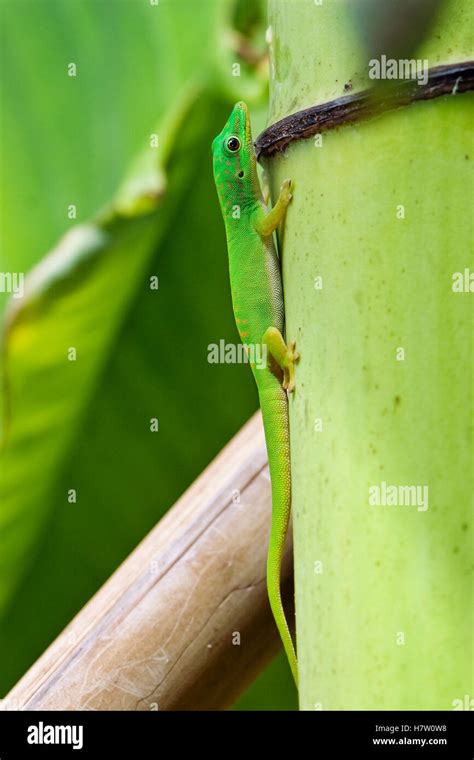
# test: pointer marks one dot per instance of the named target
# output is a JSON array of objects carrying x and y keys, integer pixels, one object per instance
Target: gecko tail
[
  {"x": 274, "y": 404},
  {"x": 274, "y": 594}
]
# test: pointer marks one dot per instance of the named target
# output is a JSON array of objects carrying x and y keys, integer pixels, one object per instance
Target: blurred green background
[{"x": 141, "y": 69}]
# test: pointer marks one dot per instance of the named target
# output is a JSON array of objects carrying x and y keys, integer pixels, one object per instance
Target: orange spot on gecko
[{"x": 244, "y": 334}]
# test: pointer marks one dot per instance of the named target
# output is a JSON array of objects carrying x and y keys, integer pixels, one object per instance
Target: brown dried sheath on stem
[
  {"x": 164, "y": 631},
  {"x": 452, "y": 79}
]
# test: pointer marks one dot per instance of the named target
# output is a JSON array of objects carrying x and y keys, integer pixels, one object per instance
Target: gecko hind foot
[
  {"x": 284, "y": 355},
  {"x": 291, "y": 358}
]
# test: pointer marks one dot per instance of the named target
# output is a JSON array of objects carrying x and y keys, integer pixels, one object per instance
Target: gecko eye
[{"x": 232, "y": 144}]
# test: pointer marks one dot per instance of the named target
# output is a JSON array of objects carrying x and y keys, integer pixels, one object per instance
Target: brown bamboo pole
[{"x": 184, "y": 623}]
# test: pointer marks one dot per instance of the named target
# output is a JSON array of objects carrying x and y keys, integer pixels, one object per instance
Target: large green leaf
[
  {"x": 68, "y": 140},
  {"x": 141, "y": 353}
]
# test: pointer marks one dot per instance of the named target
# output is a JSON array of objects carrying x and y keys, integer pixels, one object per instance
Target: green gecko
[{"x": 257, "y": 297}]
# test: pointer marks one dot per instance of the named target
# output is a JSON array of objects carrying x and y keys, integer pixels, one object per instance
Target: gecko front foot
[{"x": 285, "y": 192}]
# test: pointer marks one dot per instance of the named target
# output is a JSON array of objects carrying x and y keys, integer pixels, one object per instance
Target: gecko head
[{"x": 233, "y": 151}]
